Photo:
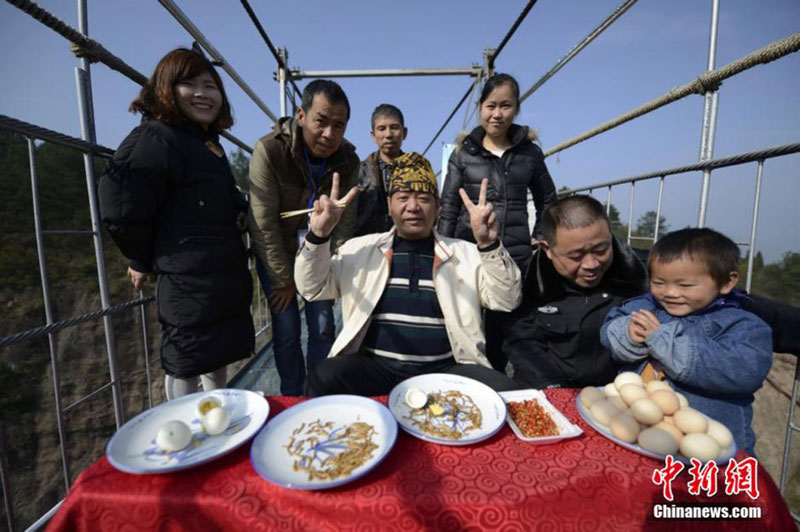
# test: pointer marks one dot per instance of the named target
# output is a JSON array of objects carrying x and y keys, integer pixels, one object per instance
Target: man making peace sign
[{"x": 411, "y": 298}]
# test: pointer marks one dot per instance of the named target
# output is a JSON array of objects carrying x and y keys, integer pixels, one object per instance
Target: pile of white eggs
[
  {"x": 656, "y": 417},
  {"x": 175, "y": 435}
]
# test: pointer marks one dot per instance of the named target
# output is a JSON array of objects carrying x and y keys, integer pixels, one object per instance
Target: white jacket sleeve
[
  {"x": 499, "y": 280},
  {"x": 316, "y": 273}
]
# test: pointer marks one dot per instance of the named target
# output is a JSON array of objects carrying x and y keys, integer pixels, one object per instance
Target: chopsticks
[{"x": 289, "y": 214}]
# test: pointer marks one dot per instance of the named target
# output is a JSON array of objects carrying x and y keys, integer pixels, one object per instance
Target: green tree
[
  {"x": 646, "y": 225},
  {"x": 240, "y": 165}
]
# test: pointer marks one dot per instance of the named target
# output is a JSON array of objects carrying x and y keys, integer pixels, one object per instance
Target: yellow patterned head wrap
[{"x": 412, "y": 172}]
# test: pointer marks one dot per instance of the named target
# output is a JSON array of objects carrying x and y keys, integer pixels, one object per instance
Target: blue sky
[{"x": 655, "y": 46}]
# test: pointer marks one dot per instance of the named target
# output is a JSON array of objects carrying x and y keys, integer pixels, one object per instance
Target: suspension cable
[
  {"x": 267, "y": 40},
  {"x": 514, "y": 27},
  {"x": 458, "y": 105},
  {"x": 578, "y": 47},
  {"x": 708, "y": 81}
]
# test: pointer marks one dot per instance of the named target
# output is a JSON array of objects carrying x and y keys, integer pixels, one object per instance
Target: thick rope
[
  {"x": 58, "y": 325},
  {"x": 83, "y": 46},
  {"x": 40, "y": 133},
  {"x": 741, "y": 158},
  {"x": 708, "y": 81}
]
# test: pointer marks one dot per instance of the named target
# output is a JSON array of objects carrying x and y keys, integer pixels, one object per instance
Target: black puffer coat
[
  {"x": 553, "y": 338},
  {"x": 171, "y": 205},
  {"x": 520, "y": 169}
]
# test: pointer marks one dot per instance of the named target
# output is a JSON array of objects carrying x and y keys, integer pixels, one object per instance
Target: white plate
[
  {"x": 270, "y": 456},
  {"x": 491, "y": 405},
  {"x": 730, "y": 452},
  {"x": 133, "y": 447},
  {"x": 565, "y": 428}
]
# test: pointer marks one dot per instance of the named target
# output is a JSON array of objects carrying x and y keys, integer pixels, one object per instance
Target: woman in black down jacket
[
  {"x": 503, "y": 153},
  {"x": 170, "y": 202}
]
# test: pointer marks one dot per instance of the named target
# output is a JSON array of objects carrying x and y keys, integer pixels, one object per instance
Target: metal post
[
  {"x": 753, "y": 226},
  {"x": 282, "y": 79},
  {"x": 658, "y": 207},
  {"x": 710, "y": 102},
  {"x": 5, "y": 475},
  {"x": 630, "y": 212},
  {"x": 608, "y": 202},
  {"x": 488, "y": 64},
  {"x": 143, "y": 317},
  {"x": 48, "y": 309},
  {"x": 791, "y": 428},
  {"x": 83, "y": 81}
]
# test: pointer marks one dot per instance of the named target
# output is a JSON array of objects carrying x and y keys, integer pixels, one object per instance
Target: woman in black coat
[
  {"x": 170, "y": 202},
  {"x": 505, "y": 154}
]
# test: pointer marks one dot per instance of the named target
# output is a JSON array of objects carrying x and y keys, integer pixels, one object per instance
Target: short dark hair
[
  {"x": 330, "y": 89},
  {"x": 388, "y": 110},
  {"x": 157, "y": 97},
  {"x": 498, "y": 80},
  {"x": 717, "y": 252},
  {"x": 572, "y": 212}
]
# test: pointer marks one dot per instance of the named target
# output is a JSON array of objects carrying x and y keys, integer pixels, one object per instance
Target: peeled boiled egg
[
  {"x": 628, "y": 377},
  {"x": 216, "y": 421},
  {"x": 658, "y": 441},
  {"x": 610, "y": 390},
  {"x": 624, "y": 427},
  {"x": 603, "y": 411},
  {"x": 631, "y": 392},
  {"x": 700, "y": 446},
  {"x": 589, "y": 396},
  {"x": 646, "y": 411},
  {"x": 720, "y": 433},
  {"x": 657, "y": 385},
  {"x": 173, "y": 435},
  {"x": 667, "y": 400},
  {"x": 206, "y": 404},
  {"x": 689, "y": 421},
  {"x": 416, "y": 398}
]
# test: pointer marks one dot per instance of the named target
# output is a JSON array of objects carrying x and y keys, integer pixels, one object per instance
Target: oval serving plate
[
  {"x": 133, "y": 447},
  {"x": 730, "y": 452},
  {"x": 324, "y": 442},
  {"x": 458, "y": 414}
]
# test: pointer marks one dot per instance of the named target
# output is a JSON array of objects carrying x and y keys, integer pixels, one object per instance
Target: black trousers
[{"x": 363, "y": 374}]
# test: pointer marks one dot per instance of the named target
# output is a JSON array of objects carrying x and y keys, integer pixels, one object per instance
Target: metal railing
[{"x": 89, "y": 51}]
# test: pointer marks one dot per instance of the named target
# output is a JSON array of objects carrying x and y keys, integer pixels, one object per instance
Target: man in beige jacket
[{"x": 411, "y": 299}]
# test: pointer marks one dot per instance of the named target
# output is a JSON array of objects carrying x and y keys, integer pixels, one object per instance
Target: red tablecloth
[{"x": 586, "y": 483}]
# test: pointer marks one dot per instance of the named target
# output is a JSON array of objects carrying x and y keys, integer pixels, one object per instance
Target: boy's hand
[
  {"x": 636, "y": 332},
  {"x": 645, "y": 323}
]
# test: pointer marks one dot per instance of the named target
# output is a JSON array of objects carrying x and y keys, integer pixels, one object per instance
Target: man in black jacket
[
  {"x": 577, "y": 275},
  {"x": 388, "y": 132}
]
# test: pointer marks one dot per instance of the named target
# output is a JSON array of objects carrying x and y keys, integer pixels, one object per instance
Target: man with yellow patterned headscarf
[{"x": 411, "y": 298}]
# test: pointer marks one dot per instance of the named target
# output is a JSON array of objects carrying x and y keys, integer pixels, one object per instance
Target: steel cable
[
  {"x": 55, "y": 326},
  {"x": 514, "y": 27}
]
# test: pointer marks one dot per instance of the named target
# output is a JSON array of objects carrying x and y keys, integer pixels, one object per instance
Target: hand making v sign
[
  {"x": 482, "y": 217},
  {"x": 328, "y": 210}
]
